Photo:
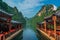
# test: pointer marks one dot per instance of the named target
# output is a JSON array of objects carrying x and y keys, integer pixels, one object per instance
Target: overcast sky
[{"x": 29, "y": 8}]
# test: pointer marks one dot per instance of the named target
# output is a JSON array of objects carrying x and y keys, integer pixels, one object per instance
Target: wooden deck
[
  {"x": 45, "y": 34},
  {"x": 13, "y": 35}
]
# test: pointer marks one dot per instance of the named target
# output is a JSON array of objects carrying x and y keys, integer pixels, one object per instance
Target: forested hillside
[
  {"x": 17, "y": 16},
  {"x": 46, "y": 10}
]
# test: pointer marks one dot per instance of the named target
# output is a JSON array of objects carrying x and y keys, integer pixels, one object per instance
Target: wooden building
[
  {"x": 16, "y": 25},
  {"x": 41, "y": 26},
  {"x": 51, "y": 25},
  {"x": 54, "y": 22},
  {"x": 7, "y": 25},
  {"x": 5, "y": 19}
]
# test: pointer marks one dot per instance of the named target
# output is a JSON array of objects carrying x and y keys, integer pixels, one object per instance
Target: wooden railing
[
  {"x": 51, "y": 33},
  {"x": 4, "y": 35}
]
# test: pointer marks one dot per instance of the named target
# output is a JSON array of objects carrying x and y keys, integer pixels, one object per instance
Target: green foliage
[
  {"x": 37, "y": 18},
  {"x": 1, "y": 0},
  {"x": 0, "y": 4},
  {"x": 3, "y": 6},
  {"x": 16, "y": 14},
  {"x": 58, "y": 8}
]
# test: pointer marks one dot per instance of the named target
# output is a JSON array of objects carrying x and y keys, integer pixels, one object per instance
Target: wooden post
[
  {"x": 18, "y": 26},
  {"x": 41, "y": 26},
  {"x": 4, "y": 37},
  {"x": 45, "y": 25},
  {"x": 54, "y": 20},
  {"x": 10, "y": 26},
  {"x": 0, "y": 37},
  {"x": 48, "y": 29}
]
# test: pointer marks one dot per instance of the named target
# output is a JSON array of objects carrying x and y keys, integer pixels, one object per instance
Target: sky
[{"x": 29, "y": 8}]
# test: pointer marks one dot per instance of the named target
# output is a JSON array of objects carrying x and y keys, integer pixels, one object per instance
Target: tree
[
  {"x": 4, "y": 6},
  {"x": 0, "y": 0},
  {"x": 0, "y": 4}
]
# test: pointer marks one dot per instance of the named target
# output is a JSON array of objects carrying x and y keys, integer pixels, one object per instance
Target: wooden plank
[
  {"x": 13, "y": 35},
  {"x": 45, "y": 34}
]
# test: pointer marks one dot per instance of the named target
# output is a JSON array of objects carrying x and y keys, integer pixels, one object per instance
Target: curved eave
[
  {"x": 40, "y": 23},
  {"x": 6, "y": 13},
  {"x": 57, "y": 13},
  {"x": 48, "y": 17},
  {"x": 4, "y": 19},
  {"x": 49, "y": 21},
  {"x": 15, "y": 22}
]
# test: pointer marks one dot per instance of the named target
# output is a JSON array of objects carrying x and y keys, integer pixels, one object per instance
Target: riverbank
[
  {"x": 13, "y": 35},
  {"x": 45, "y": 34},
  {"x": 41, "y": 36}
]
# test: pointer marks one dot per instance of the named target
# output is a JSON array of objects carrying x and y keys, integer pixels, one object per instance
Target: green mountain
[
  {"x": 0, "y": 0},
  {"x": 46, "y": 10},
  {"x": 58, "y": 8},
  {"x": 16, "y": 14}
]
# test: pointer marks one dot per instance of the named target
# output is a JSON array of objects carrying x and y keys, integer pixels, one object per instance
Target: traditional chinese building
[
  {"x": 53, "y": 23},
  {"x": 16, "y": 24},
  {"x": 5, "y": 19},
  {"x": 41, "y": 25}
]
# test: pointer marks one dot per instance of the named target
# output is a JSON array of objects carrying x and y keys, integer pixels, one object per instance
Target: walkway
[
  {"x": 13, "y": 35},
  {"x": 45, "y": 34}
]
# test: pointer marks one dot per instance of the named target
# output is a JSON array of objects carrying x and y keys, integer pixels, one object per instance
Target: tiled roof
[
  {"x": 13, "y": 21},
  {"x": 3, "y": 18},
  {"x": 48, "y": 20},
  {"x": 6, "y": 13},
  {"x": 57, "y": 13},
  {"x": 40, "y": 23},
  {"x": 48, "y": 17}
]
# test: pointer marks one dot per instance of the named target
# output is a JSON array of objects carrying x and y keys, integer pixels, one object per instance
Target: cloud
[
  {"x": 55, "y": 8},
  {"x": 29, "y": 6},
  {"x": 26, "y": 6}
]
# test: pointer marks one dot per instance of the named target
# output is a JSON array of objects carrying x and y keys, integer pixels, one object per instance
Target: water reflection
[{"x": 29, "y": 34}]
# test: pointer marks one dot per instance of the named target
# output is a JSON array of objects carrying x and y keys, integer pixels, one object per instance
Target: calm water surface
[{"x": 29, "y": 34}]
